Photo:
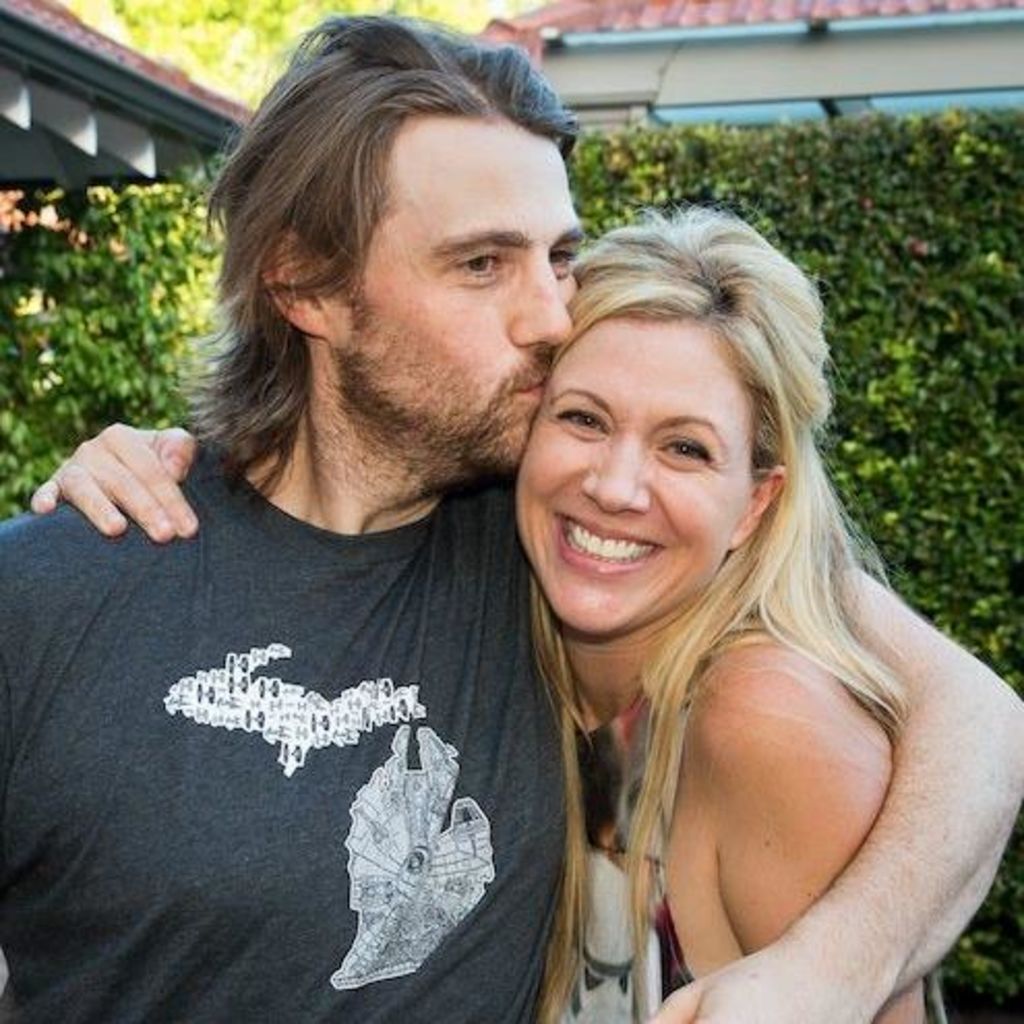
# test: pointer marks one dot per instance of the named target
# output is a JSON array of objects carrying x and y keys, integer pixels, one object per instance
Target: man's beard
[{"x": 442, "y": 438}]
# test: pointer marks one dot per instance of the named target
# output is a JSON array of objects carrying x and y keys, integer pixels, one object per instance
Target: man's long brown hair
[{"x": 305, "y": 187}]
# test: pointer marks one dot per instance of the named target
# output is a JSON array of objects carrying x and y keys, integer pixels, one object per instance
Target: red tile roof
[
  {"x": 58, "y": 20},
  {"x": 528, "y": 30}
]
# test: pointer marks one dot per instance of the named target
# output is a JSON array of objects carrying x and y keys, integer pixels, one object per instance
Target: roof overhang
[
  {"x": 612, "y": 77},
  {"x": 72, "y": 116}
]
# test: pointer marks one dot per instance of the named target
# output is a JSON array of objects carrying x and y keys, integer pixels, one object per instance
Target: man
[{"x": 399, "y": 240}]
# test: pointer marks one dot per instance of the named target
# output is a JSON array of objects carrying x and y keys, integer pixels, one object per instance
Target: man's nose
[
  {"x": 541, "y": 314},
  {"x": 618, "y": 479}
]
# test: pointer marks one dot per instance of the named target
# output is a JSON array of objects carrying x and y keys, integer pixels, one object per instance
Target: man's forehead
[{"x": 463, "y": 176}]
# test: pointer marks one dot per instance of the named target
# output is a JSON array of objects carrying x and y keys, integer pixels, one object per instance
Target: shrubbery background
[
  {"x": 100, "y": 296},
  {"x": 915, "y": 229}
]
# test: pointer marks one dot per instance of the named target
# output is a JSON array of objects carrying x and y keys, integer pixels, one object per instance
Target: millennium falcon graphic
[
  {"x": 238, "y": 695},
  {"x": 412, "y": 878}
]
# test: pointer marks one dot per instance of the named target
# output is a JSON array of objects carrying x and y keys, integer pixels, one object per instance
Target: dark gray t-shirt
[{"x": 274, "y": 774}]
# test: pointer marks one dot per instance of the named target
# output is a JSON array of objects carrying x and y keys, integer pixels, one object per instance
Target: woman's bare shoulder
[
  {"x": 762, "y": 704},
  {"x": 785, "y": 774}
]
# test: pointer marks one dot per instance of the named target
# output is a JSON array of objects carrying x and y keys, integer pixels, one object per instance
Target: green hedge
[
  {"x": 914, "y": 227},
  {"x": 100, "y": 295}
]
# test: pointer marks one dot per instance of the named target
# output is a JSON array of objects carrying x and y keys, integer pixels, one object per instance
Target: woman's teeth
[{"x": 602, "y": 547}]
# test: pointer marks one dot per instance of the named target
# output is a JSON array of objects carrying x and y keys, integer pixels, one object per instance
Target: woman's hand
[{"x": 130, "y": 471}]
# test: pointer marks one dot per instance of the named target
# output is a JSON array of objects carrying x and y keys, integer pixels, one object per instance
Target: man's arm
[
  {"x": 926, "y": 865},
  {"x": 957, "y": 786}
]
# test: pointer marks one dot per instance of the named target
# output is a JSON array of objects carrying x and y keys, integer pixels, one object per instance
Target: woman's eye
[
  {"x": 580, "y": 418},
  {"x": 686, "y": 449}
]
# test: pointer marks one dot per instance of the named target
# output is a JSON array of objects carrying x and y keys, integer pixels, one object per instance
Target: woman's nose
[{"x": 617, "y": 482}]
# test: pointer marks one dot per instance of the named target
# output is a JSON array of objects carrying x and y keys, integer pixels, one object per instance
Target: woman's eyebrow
[
  {"x": 681, "y": 422},
  {"x": 671, "y": 423},
  {"x": 583, "y": 393}
]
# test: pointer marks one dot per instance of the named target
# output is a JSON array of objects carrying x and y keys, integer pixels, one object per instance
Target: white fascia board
[
  {"x": 130, "y": 142},
  {"x": 833, "y": 67},
  {"x": 602, "y": 78},
  {"x": 948, "y": 20},
  {"x": 15, "y": 103},
  {"x": 741, "y": 113},
  {"x": 775, "y": 29},
  {"x": 677, "y": 36},
  {"x": 71, "y": 118},
  {"x": 791, "y": 68}
]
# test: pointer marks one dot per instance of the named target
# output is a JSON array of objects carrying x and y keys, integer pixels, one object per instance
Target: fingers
[
  {"x": 681, "y": 1007},
  {"x": 121, "y": 469},
  {"x": 156, "y": 467},
  {"x": 79, "y": 488},
  {"x": 128, "y": 467},
  {"x": 176, "y": 449},
  {"x": 93, "y": 496},
  {"x": 46, "y": 497}
]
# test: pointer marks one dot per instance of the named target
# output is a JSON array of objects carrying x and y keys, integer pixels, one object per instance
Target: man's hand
[
  {"x": 134, "y": 471},
  {"x": 764, "y": 988}
]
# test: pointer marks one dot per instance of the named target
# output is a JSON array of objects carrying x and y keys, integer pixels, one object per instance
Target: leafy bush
[
  {"x": 914, "y": 227},
  {"x": 100, "y": 295}
]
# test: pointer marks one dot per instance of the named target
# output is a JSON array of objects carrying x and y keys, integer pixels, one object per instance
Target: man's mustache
[{"x": 535, "y": 373}]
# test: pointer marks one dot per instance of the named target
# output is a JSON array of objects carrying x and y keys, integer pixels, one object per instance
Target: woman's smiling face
[{"x": 637, "y": 479}]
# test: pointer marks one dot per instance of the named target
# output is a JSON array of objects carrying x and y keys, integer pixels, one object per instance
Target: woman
[
  {"x": 694, "y": 616},
  {"x": 694, "y": 571}
]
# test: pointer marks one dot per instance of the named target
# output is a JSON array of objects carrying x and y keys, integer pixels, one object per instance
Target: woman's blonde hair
[{"x": 792, "y": 579}]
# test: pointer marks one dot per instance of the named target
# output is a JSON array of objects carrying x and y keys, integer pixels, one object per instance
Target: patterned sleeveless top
[{"x": 611, "y": 766}]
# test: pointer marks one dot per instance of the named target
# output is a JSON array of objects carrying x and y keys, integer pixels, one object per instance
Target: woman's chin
[{"x": 592, "y": 624}]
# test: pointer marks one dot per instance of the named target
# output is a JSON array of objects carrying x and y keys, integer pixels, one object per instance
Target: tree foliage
[
  {"x": 239, "y": 46},
  {"x": 101, "y": 294}
]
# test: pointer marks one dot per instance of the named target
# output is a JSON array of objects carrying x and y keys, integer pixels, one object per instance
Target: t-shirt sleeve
[{"x": 6, "y": 744}]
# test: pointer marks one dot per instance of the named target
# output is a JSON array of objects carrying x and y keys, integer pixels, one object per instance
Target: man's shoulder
[
  {"x": 491, "y": 505},
  {"x": 44, "y": 557},
  {"x": 474, "y": 538},
  {"x": 30, "y": 542},
  {"x": 482, "y": 520},
  {"x": 491, "y": 494},
  {"x": 60, "y": 547}
]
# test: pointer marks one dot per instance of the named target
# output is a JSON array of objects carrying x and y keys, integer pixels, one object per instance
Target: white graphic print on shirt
[
  {"x": 413, "y": 880},
  {"x": 299, "y": 719}
]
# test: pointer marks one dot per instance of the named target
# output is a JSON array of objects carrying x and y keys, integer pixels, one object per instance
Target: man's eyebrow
[
  {"x": 461, "y": 245},
  {"x": 574, "y": 236}
]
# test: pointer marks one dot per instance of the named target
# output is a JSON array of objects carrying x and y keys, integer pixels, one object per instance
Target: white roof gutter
[{"x": 732, "y": 33}]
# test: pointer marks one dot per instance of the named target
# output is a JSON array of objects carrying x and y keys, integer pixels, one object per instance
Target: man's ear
[
  {"x": 312, "y": 315},
  {"x": 766, "y": 489}
]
